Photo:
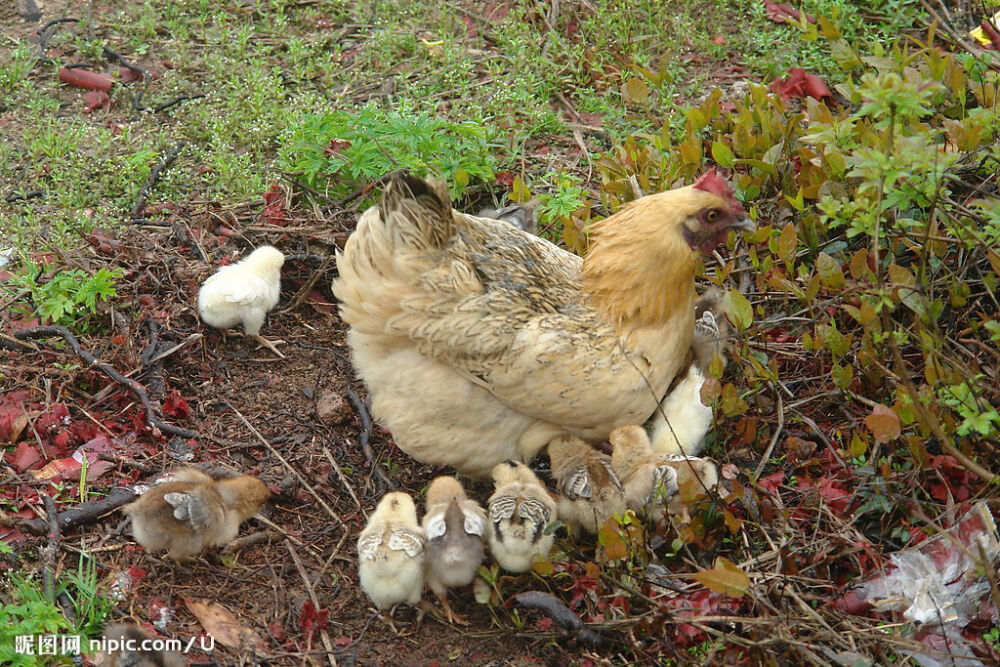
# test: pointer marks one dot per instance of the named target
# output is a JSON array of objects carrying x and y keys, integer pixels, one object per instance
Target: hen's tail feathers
[{"x": 418, "y": 212}]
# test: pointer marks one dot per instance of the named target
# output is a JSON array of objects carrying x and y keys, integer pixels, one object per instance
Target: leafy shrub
[
  {"x": 354, "y": 148},
  {"x": 61, "y": 298}
]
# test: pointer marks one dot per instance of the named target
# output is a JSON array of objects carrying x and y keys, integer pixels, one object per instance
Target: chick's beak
[{"x": 744, "y": 223}]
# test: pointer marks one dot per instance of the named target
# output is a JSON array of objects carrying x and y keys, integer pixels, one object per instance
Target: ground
[{"x": 828, "y": 469}]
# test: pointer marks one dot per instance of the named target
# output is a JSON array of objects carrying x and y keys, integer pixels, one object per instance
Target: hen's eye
[{"x": 712, "y": 216}]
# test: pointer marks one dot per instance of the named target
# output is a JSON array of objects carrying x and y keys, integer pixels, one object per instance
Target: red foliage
[
  {"x": 781, "y": 13},
  {"x": 175, "y": 406},
  {"x": 799, "y": 83},
  {"x": 275, "y": 210},
  {"x": 81, "y": 78},
  {"x": 312, "y": 620},
  {"x": 952, "y": 478}
]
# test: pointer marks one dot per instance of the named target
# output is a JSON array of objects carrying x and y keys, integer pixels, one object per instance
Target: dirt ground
[{"x": 211, "y": 384}]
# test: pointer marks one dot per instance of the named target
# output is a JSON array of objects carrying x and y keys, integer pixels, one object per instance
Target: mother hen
[{"x": 480, "y": 343}]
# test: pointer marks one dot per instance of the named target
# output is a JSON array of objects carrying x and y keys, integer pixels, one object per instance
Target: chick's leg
[
  {"x": 448, "y": 611},
  {"x": 263, "y": 342}
]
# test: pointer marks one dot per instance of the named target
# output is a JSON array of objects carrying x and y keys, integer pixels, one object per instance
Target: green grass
[{"x": 265, "y": 70}]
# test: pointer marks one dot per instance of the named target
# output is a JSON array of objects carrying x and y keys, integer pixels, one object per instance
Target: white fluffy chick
[
  {"x": 455, "y": 528},
  {"x": 680, "y": 423},
  {"x": 243, "y": 293},
  {"x": 191, "y": 511},
  {"x": 520, "y": 510},
  {"x": 590, "y": 492},
  {"x": 651, "y": 479},
  {"x": 391, "y": 553}
]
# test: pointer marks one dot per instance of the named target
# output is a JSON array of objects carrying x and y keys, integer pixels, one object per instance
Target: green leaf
[
  {"x": 722, "y": 154},
  {"x": 635, "y": 91},
  {"x": 738, "y": 309}
]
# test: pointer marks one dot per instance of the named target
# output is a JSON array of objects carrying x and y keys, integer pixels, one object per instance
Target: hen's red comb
[{"x": 711, "y": 182}]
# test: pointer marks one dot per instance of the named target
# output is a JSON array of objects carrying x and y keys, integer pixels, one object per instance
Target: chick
[
  {"x": 521, "y": 216},
  {"x": 455, "y": 528},
  {"x": 680, "y": 423},
  {"x": 192, "y": 512},
  {"x": 391, "y": 553},
  {"x": 590, "y": 492},
  {"x": 520, "y": 510},
  {"x": 243, "y": 293},
  {"x": 124, "y": 645},
  {"x": 650, "y": 478}
]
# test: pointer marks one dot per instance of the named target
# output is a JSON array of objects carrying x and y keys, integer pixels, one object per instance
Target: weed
[{"x": 65, "y": 293}]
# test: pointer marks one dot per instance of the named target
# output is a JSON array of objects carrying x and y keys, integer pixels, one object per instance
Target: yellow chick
[
  {"x": 190, "y": 512},
  {"x": 651, "y": 479},
  {"x": 455, "y": 528},
  {"x": 590, "y": 492},
  {"x": 243, "y": 293},
  {"x": 520, "y": 510},
  {"x": 125, "y": 648},
  {"x": 391, "y": 553}
]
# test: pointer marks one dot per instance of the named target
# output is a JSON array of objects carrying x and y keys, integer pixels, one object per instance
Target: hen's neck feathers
[{"x": 640, "y": 270}]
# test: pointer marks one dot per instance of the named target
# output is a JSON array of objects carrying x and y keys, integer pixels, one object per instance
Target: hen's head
[
  {"x": 711, "y": 211},
  {"x": 265, "y": 258}
]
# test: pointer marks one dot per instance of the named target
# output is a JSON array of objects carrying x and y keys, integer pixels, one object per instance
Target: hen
[
  {"x": 455, "y": 528},
  {"x": 680, "y": 425},
  {"x": 243, "y": 293},
  {"x": 590, "y": 492},
  {"x": 481, "y": 343},
  {"x": 189, "y": 511},
  {"x": 651, "y": 479},
  {"x": 391, "y": 553},
  {"x": 520, "y": 510}
]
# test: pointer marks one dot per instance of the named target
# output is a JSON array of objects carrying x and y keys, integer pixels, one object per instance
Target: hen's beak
[{"x": 744, "y": 223}]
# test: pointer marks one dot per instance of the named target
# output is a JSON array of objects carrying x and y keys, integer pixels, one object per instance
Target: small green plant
[
  {"x": 67, "y": 296},
  {"x": 356, "y": 148},
  {"x": 27, "y": 614},
  {"x": 90, "y": 606}
]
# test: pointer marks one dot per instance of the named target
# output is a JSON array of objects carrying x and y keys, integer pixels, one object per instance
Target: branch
[
  {"x": 154, "y": 176},
  {"x": 137, "y": 389},
  {"x": 76, "y": 515},
  {"x": 51, "y": 548},
  {"x": 365, "y": 435},
  {"x": 561, "y": 615}
]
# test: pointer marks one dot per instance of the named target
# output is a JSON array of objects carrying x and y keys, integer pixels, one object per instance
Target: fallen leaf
[
  {"x": 635, "y": 91},
  {"x": 220, "y": 623},
  {"x": 883, "y": 422},
  {"x": 781, "y": 13},
  {"x": 725, "y": 578},
  {"x": 96, "y": 99},
  {"x": 799, "y": 83},
  {"x": 81, "y": 78}
]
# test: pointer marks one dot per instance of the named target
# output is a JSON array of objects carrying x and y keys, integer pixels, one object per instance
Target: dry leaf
[
  {"x": 725, "y": 578},
  {"x": 883, "y": 422},
  {"x": 220, "y": 623},
  {"x": 635, "y": 91}
]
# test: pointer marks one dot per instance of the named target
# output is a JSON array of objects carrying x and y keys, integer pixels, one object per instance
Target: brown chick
[
  {"x": 651, "y": 479},
  {"x": 192, "y": 512},
  {"x": 125, "y": 648},
  {"x": 455, "y": 528},
  {"x": 520, "y": 511},
  {"x": 590, "y": 492},
  {"x": 522, "y": 216},
  {"x": 391, "y": 553},
  {"x": 711, "y": 329}
]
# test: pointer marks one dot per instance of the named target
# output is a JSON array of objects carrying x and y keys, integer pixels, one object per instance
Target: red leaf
[
  {"x": 275, "y": 212},
  {"x": 175, "y": 406},
  {"x": 799, "y": 83},
  {"x": 719, "y": 39},
  {"x": 96, "y": 99},
  {"x": 25, "y": 456},
  {"x": 312, "y": 619},
  {"x": 335, "y": 146},
  {"x": 81, "y": 78},
  {"x": 780, "y": 13}
]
